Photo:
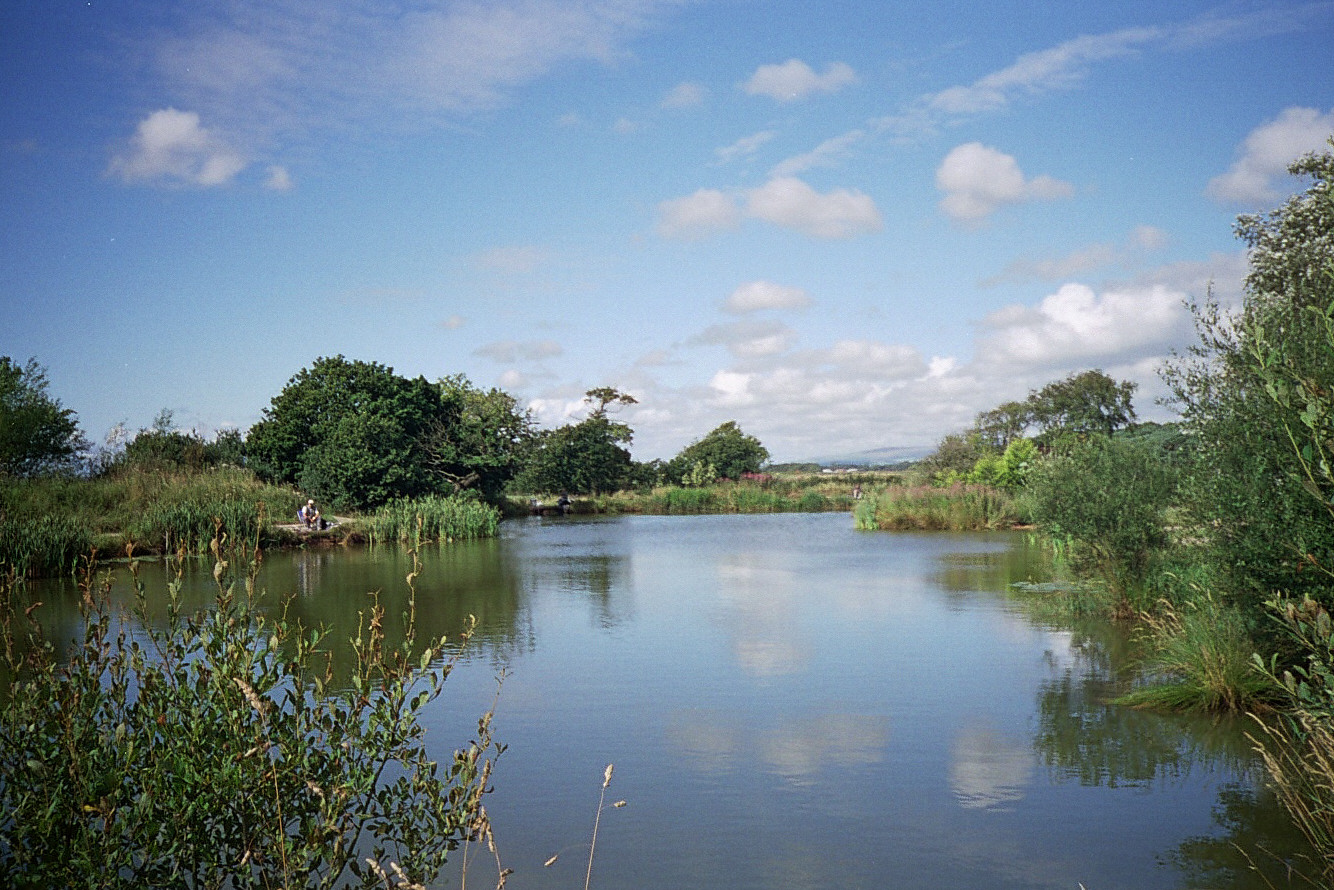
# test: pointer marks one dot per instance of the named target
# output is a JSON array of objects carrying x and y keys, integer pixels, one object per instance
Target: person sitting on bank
[{"x": 308, "y": 515}]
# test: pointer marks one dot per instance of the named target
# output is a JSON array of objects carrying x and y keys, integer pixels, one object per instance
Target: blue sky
[{"x": 845, "y": 225}]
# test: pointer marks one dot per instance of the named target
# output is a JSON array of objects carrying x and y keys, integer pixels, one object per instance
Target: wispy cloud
[
  {"x": 684, "y": 95},
  {"x": 826, "y": 154},
  {"x": 1066, "y": 65},
  {"x": 1141, "y": 241},
  {"x": 756, "y": 296},
  {"x": 265, "y": 74},
  {"x": 743, "y": 147},
  {"x": 511, "y": 351}
]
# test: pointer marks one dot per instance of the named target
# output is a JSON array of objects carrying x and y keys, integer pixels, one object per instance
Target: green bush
[
  {"x": 1109, "y": 497},
  {"x": 214, "y": 753}
]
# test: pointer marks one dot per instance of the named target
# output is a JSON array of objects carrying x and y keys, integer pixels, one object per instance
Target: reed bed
[
  {"x": 42, "y": 546},
  {"x": 724, "y": 497},
  {"x": 958, "y": 507},
  {"x": 432, "y": 518}
]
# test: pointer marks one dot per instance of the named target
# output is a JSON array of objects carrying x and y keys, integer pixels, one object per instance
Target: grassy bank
[
  {"x": 776, "y": 493},
  {"x": 958, "y": 507},
  {"x": 48, "y": 525}
]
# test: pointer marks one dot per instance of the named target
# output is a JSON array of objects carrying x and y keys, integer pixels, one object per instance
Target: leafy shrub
[
  {"x": 1109, "y": 497},
  {"x": 215, "y": 753}
]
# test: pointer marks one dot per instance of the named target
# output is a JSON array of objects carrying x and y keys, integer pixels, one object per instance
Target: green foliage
[
  {"x": 432, "y": 518},
  {"x": 1081, "y": 404},
  {"x": 954, "y": 457},
  {"x": 1298, "y": 747},
  {"x": 480, "y": 438},
  {"x": 585, "y": 457},
  {"x": 727, "y": 449},
  {"x": 163, "y": 447},
  {"x": 700, "y": 473},
  {"x": 1203, "y": 659},
  {"x": 1008, "y": 470},
  {"x": 52, "y": 521},
  {"x": 37, "y": 435},
  {"x": 1109, "y": 497},
  {"x": 38, "y": 546},
  {"x": 1253, "y": 397},
  {"x": 957, "y": 507},
  {"x": 214, "y": 753},
  {"x": 357, "y": 435}
]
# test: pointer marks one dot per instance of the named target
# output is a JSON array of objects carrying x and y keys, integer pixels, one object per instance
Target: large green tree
[
  {"x": 37, "y": 434},
  {"x": 585, "y": 457},
  {"x": 349, "y": 432},
  {"x": 480, "y": 438},
  {"x": 728, "y": 450},
  {"x": 1083, "y": 403},
  {"x": 1254, "y": 397}
]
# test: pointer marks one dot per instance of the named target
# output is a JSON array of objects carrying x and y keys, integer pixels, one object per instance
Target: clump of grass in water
[
  {"x": 1203, "y": 652},
  {"x": 45, "y": 545},
  {"x": 432, "y": 518},
  {"x": 958, "y": 507}
]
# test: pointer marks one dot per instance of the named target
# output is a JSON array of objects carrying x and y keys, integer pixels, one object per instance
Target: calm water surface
[{"x": 790, "y": 703}]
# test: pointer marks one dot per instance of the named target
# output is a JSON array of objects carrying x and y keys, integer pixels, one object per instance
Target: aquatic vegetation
[
  {"x": 432, "y": 518},
  {"x": 957, "y": 507},
  {"x": 1203, "y": 658}
]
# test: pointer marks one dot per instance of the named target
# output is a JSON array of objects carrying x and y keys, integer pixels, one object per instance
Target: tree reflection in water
[{"x": 1082, "y": 737}]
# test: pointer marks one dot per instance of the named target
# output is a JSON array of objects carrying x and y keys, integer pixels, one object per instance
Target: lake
[{"x": 790, "y": 703}]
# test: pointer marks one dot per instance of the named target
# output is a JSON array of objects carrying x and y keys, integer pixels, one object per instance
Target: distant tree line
[{"x": 356, "y": 435}]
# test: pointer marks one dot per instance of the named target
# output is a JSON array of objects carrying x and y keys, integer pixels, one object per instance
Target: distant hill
[{"x": 892, "y": 458}]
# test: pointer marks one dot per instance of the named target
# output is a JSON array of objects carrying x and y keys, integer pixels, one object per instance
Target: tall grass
[
  {"x": 1298, "y": 746},
  {"x": 1203, "y": 659},
  {"x": 725, "y": 497},
  {"x": 46, "y": 525},
  {"x": 45, "y": 545},
  {"x": 431, "y": 518},
  {"x": 958, "y": 507}
]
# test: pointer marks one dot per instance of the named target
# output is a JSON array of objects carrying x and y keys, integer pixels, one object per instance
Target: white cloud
[
  {"x": 278, "y": 179},
  {"x": 171, "y": 146},
  {"x": 1267, "y": 151},
  {"x": 510, "y": 351},
  {"x": 826, "y": 154},
  {"x": 791, "y": 203},
  {"x": 758, "y": 295},
  {"x": 521, "y": 259},
  {"x": 978, "y": 180},
  {"x": 784, "y": 201},
  {"x": 795, "y": 80},
  {"x": 743, "y": 147},
  {"x": 684, "y": 95},
  {"x": 1076, "y": 325},
  {"x": 453, "y": 323},
  {"x": 695, "y": 216}
]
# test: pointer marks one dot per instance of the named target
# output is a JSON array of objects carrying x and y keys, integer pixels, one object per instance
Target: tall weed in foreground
[
  {"x": 214, "y": 753},
  {"x": 432, "y": 518},
  {"x": 1298, "y": 746}
]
